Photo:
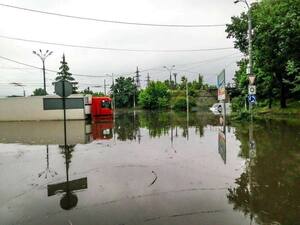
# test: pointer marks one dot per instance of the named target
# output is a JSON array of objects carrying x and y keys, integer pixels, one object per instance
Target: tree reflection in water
[
  {"x": 269, "y": 187},
  {"x": 127, "y": 125}
]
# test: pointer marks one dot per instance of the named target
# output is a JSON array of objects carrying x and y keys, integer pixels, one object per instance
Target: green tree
[
  {"x": 125, "y": 91},
  {"x": 64, "y": 74},
  {"x": 276, "y": 41},
  {"x": 293, "y": 70},
  {"x": 39, "y": 92},
  {"x": 87, "y": 91},
  {"x": 155, "y": 96}
]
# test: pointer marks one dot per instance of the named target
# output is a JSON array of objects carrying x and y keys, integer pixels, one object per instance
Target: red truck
[{"x": 101, "y": 108}]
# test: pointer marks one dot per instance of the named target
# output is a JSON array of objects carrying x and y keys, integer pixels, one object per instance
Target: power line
[
  {"x": 114, "y": 21},
  {"x": 115, "y": 49},
  {"x": 49, "y": 70}
]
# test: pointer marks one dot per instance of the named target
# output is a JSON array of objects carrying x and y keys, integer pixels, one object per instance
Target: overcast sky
[{"x": 34, "y": 26}]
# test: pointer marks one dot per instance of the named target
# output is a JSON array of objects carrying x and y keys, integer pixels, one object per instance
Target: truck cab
[{"x": 101, "y": 107}]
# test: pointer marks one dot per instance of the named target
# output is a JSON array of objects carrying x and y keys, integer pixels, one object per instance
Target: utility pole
[
  {"x": 104, "y": 87},
  {"x": 43, "y": 57},
  {"x": 148, "y": 79},
  {"x": 138, "y": 84},
  {"x": 133, "y": 96}
]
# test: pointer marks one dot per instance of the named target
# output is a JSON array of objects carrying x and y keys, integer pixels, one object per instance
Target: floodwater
[{"x": 150, "y": 168}]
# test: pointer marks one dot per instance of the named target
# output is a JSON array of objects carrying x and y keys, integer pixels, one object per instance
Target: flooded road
[{"x": 149, "y": 168}]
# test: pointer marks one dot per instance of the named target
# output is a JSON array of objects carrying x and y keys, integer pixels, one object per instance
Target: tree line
[{"x": 157, "y": 95}]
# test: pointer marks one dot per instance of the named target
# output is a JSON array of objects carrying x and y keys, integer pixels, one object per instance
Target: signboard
[
  {"x": 252, "y": 99},
  {"x": 57, "y": 103},
  {"x": 58, "y": 88},
  {"x": 251, "y": 89},
  {"x": 251, "y": 79},
  {"x": 221, "y": 86}
]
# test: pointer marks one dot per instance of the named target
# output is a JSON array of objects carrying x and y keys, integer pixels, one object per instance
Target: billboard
[{"x": 221, "y": 86}]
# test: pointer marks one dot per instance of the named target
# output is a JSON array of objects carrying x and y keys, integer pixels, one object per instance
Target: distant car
[{"x": 217, "y": 108}]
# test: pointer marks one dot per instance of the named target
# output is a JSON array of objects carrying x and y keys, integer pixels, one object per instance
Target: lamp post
[
  {"x": 249, "y": 71},
  {"x": 250, "y": 65},
  {"x": 20, "y": 85},
  {"x": 43, "y": 57},
  {"x": 251, "y": 77},
  {"x": 170, "y": 71}
]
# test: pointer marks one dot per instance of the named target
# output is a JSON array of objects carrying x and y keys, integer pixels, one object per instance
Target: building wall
[{"x": 31, "y": 109}]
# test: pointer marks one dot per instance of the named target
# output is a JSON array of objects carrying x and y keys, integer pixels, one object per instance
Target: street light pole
[
  {"x": 250, "y": 65},
  {"x": 20, "y": 85},
  {"x": 250, "y": 68},
  {"x": 43, "y": 57}
]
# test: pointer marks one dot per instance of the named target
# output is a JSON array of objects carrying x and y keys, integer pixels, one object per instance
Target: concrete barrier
[{"x": 31, "y": 109}]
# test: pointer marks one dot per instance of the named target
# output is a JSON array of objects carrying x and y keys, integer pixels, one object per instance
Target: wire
[
  {"x": 49, "y": 70},
  {"x": 114, "y": 49},
  {"x": 114, "y": 21}
]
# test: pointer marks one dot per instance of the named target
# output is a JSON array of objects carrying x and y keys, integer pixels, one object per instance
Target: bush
[
  {"x": 39, "y": 92},
  {"x": 237, "y": 104},
  {"x": 155, "y": 96},
  {"x": 180, "y": 103}
]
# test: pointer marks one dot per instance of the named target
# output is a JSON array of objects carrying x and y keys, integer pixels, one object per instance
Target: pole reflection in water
[
  {"x": 69, "y": 199},
  {"x": 251, "y": 164},
  {"x": 47, "y": 171}
]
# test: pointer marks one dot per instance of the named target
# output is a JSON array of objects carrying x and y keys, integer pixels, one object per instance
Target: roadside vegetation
[
  {"x": 159, "y": 95},
  {"x": 276, "y": 56}
]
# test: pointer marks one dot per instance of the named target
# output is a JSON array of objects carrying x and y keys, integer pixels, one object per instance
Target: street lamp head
[{"x": 236, "y": 1}]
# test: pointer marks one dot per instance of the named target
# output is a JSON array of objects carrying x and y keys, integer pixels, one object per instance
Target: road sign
[
  {"x": 57, "y": 103},
  {"x": 251, "y": 89},
  {"x": 252, "y": 99},
  {"x": 251, "y": 79},
  {"x": 221, "y": 86},
  {"x": 59, "y": 88}
]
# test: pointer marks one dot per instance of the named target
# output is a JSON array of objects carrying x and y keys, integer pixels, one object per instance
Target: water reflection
[
  {"x": 268, "y": 188},
  {"x": 214, "y": 177},
  {"x": 48, "y": 171},
  {"x": 128, "y": 124},
  {"x": 44, "y": 132},
  {"x": 69, "y": 199}
]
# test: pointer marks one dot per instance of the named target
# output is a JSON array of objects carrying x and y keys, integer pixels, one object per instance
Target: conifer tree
[{"x": 64, "y": 74}]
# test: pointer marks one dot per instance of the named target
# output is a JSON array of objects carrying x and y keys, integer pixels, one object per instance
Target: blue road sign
[{"x": 252, "y": 99}]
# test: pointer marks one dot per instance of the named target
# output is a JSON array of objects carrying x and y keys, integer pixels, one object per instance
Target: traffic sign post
[
  {"x": 251, "y": 99},
  {"x": 251, "y": 79},
  {"x": 251, "y": 89},
  {"x": 63, "y": 88},
  {"x": 221, "y": 86}
]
